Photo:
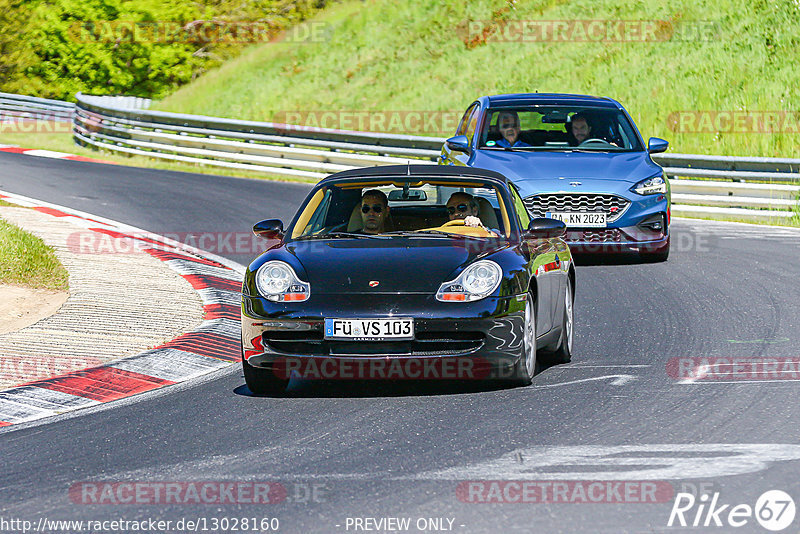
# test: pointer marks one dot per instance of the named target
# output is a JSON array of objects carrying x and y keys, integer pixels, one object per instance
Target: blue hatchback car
[{"x": 576, "y": 158}]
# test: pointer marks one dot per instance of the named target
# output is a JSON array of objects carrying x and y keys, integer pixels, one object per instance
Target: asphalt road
[{"x": 408, "y": 450}]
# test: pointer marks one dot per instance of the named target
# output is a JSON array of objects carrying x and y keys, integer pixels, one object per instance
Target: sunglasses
[
  {"x": 377, "y": 208},
  {"x": 461, "y": 208}
]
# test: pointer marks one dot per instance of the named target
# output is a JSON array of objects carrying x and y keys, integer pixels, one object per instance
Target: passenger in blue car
[{"x": 508, "y": 124}]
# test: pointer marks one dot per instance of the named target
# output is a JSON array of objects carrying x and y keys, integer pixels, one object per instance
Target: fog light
[{"x": 654, "y": 223}]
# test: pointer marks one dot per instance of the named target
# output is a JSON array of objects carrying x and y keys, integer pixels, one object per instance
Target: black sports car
[{"x": 417, "y": 271}]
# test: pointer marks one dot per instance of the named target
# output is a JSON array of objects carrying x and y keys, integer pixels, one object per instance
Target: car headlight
[
  {"x": 277, "y": 281},
  {"x": 651, "y": 186},
  {"x": 477, "y": 281}
]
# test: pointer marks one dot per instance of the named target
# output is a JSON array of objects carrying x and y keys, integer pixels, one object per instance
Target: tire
[
  {"x": 563, "y": 354},
  {"x": 528, "y": 364},
  {"x": 656, "y": 256},
  {"x": 262, "y": 381}
]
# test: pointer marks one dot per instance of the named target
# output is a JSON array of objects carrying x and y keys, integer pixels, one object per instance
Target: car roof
[
  {"x": 433, "y": 171},
  {"x": 517, "y": 99}
]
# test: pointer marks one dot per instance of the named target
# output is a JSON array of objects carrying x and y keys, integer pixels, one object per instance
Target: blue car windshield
[{"x": 559, "y": 128}]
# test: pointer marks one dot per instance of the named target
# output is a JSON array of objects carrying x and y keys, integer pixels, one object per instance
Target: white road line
[
  {"x": 705, "y": 382},
  {"x": 618, "y": 380},
  {"x": 580, "y": 366},
  {"x": 622, "y": 462}
]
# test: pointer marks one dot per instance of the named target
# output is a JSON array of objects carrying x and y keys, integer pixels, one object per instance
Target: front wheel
[
  {"x": 527, "y": 365},
  {"x": 563, "y": 354}
]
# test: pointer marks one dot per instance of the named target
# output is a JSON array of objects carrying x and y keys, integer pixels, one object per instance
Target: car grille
[
  {"x": 612, "y": 205},
  {"x": 311, "y": 343},
  {"x": 599, "y": 235}
]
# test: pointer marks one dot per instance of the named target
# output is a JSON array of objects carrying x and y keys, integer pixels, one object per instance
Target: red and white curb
[
  {"x": 213, "y": 345},
  {"x": 13, "y": 149}
]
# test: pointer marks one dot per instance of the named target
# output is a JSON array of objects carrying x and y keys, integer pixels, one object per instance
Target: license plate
[
  {"x": 585, "y": 219},
  {"x": 395, "y": 329}
]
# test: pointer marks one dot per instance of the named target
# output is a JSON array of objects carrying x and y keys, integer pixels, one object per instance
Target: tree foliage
[{"x": 55, "y": 48}]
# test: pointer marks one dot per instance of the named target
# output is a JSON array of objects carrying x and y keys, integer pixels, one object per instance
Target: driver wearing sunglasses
[
  {"x": 374, "y": 211},
  {"x": 461, "y": 206},
  {"x": 464, "y": 206}
]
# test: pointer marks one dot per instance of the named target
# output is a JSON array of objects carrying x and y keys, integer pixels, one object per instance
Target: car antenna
[{"x": 408, "y": 167}]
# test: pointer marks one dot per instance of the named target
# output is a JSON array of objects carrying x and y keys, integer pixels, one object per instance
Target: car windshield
[
  {"x": 558, "y": 128},
  {"x": 416, "y": 208}
]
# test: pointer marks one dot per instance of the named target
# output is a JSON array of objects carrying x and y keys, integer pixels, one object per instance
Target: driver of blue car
[
  {"x": 508, "y": 125},
  {"x": 580, "y": 129}
]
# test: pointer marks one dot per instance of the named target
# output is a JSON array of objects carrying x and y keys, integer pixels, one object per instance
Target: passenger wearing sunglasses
[{"x": 374, "y": 211}]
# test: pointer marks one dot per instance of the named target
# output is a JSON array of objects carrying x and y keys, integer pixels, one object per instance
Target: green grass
[
  {"x": 795, "y": 220},
  {"x": 414, "y": 55},
  {"x": 62, "y": 142},
  {"x": 25, "y": 260}
]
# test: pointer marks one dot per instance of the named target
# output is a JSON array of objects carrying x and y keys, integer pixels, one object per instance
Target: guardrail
[
  {"x": 34, "y": 108},
  {"x": 746, "y": 188}
]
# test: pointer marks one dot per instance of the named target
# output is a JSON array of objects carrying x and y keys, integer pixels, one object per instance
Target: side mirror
[
  {"x": 459, "y": 143},
  {"x": 544, "y": 228},
  {"x": 656, "y": 145},
  {"x": 269, "y": 229}
]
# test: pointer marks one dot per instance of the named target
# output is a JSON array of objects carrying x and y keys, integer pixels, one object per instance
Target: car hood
[
  {"x": 535, "y": 172},
  {"x": 398, "y": 265}
]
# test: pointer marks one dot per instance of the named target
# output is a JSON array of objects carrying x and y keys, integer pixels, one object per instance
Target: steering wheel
[
  {"x": 594, "y": 140},
  {"x": 454, "y": 222}
]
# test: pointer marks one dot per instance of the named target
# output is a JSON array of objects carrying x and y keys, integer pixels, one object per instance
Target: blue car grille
[
  {"x": 596, "y": 235},
  {"x": 612, "y": 205}
]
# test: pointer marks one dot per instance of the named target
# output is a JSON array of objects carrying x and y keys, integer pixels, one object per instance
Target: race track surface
[{"x": 409, "y": 450}]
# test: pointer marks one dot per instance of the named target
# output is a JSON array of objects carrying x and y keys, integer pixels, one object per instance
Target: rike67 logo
[{"x": 774, "y": 510}]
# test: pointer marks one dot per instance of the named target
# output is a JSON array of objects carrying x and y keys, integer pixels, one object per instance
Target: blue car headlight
[
  {"x": 277, "y": 281},
  {"x": 651, "y": 186},
  {"x": 477, "y": 281}
]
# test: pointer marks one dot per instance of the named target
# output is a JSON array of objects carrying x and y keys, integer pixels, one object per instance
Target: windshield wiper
[
  {"x": 341, "y": 234},
  {"x": 506, "y": 148},
  {"x": 420, "y": 233},
  {"x": 436, "y": 233}
]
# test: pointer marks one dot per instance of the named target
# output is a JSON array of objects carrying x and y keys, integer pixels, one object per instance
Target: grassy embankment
[
  {"x": 26, "y": 261},
  {"x": 379, "y": 55}
]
